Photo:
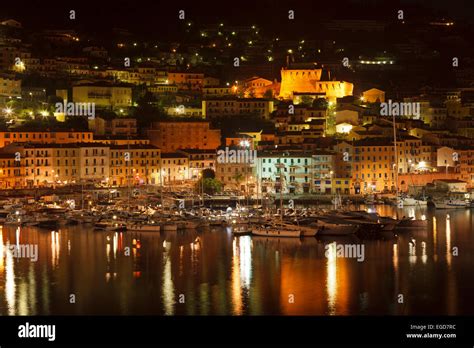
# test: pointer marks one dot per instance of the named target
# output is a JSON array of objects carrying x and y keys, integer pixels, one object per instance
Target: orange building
[
  {"x": 121, "y": 140},
  {"x": 11, "y": 171},
  {"x": 186, "y": 80},
  {"x": 174, "y": 135},
  {"x": 45, "y": 137},
  {"x": 373, "y": 162}
]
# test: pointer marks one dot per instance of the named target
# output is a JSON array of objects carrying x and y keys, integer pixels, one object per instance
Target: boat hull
[
  {"x": 276, "y": 232},
  {"x": 144, "y": 228},
  {"x": 328, "y": 229},
  {"x": 169, "y": 227},
  {"x": 450, "y": 205}
]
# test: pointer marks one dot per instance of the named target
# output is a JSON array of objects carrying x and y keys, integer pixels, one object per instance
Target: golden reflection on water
[
  {"x": 424, "y": 257},
  {"x": 236, "y": 286},
  {"x": 17, "y": 238},
  {"x": 10, "y": 285},
  {"x": 331, "y": 280},
  {"x": 241, "y": 269},
  {"x": 168, "y": 286},
  {"x": 54, "y": 248},
  {"x": 237, "y": 275},
  {"x": 115, "y": 244},
  {"x": 412, "y": 251},
  {"x": 2, "y": 250},
  {"x": 448, "y": 241},
  {"x": 245, "y": 246}
]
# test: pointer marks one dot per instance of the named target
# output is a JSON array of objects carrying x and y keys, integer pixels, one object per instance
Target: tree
[
  {"x": 320, "y": 103},
  {"x": 238, "y": 177},
  {"x": 147, "y": 111},
  {"x": 268, "y": 94},
  {"x": 208, "y": 173},
  {"x": 306, "y": 100},
  {"x": 211, "y": 186}
]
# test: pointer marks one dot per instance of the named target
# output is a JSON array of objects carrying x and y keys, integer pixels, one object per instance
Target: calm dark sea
[{"x": 210, "y": 272}]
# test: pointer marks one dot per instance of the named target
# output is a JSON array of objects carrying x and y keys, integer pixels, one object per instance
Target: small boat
[
  {"x": 20, "y": 218},
  {"x": 47, "y": 222},
  {"x": 3, "y": 215},
  {"x": 217, "y": 221},
  {"x": 190, "y": 224},
  {"x": 143, "y": 227},
  {"x": 276, "y": 231},
  {"x": 306, "y": 230},
  {"x": 371, "y": 199},
  {"x": 411, "y": 202},
  {"x": 412, "y": 223},
  {"x": 335, "y": 229},
  {"x": 80, "y": 217},
  {"x": 110, "y": 225},
  {"x": 450, "y": 204},
  {"x": 241, "y": 230},
  {"x": 169, "y": 226}
]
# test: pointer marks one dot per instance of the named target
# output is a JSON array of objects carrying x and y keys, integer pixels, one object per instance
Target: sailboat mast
[
  {"x": 129, "y": 173},
  {"x": 396, "y": 155},
  {"x": 282, "y": 178}
]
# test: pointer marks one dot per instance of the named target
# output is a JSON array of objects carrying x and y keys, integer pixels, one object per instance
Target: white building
[
  {"x": 94, "y": 161},
  {"x": 174, "y": 167},
  {"x": 294, "y": 168}
]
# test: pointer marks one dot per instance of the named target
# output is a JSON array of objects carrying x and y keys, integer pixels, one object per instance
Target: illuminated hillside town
[
  {"x": 164, "y": 103},
  {"x": 227, "y": 160}
]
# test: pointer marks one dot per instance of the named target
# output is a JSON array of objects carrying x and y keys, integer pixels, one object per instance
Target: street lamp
[
  {"x": 244, "y": 143},
  {"x": 8, "y": 111},
  {"x": 330, "y": 176},
  {"x": 202, "y": 187}
]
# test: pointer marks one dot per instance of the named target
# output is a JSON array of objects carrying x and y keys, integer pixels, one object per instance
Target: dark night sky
[{"x": 159, "y": 18}]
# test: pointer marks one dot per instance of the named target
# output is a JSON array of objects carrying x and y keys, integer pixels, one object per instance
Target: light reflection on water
[{"x": 212, "y": 272}]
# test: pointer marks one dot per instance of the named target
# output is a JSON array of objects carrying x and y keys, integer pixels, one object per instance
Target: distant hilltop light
[
  {"x": 444, "y": 23},
  {"x": 369, "y": 62}
]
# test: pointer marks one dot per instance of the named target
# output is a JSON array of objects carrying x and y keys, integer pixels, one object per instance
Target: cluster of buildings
[{"x": 321, "y": 134}]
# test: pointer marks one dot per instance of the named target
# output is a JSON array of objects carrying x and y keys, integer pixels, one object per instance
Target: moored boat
[
  {"x": 276, "y": 231},
  {"x": 241, "y": 230},
  {"x": 110, "y": 225},
  {"x": 450, "y": 204},
  {"x": 143, "y": 227}
]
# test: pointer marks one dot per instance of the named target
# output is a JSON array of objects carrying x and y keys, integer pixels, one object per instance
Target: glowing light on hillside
[{"x": 244, "y": 143}]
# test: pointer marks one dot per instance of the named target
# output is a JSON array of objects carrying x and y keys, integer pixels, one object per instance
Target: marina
[
  {"x": 156, "y": 212},
  {"x": 233, "y": 270}
]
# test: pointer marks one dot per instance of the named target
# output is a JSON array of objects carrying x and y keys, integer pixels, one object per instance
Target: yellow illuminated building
[
  {"x": 308, "y": 81},
  {"x": 134, "y": 164},
  {"x": 60, "y": 137},
  {"x": 103, "y": 95}
]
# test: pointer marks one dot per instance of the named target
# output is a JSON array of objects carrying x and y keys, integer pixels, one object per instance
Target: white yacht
[{"x": 411, "y": 202}]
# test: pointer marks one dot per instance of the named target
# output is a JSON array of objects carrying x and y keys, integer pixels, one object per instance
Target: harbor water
[{"x": 80, "y": 271}]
